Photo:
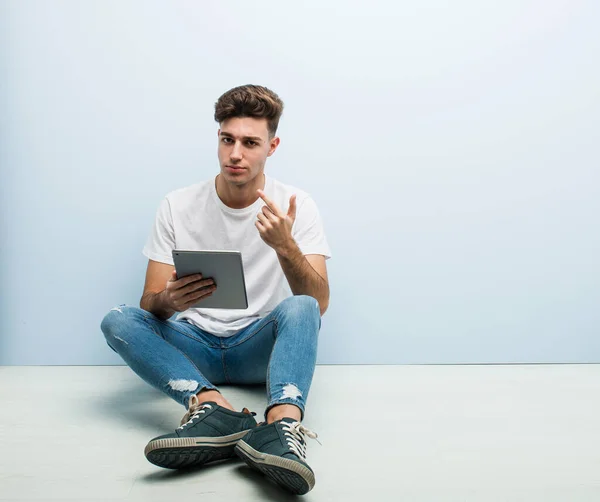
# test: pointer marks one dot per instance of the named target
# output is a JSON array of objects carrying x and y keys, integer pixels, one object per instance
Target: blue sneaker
[
  {"x": 278, "y": 450},
  {"x": 208, "y": 432}
]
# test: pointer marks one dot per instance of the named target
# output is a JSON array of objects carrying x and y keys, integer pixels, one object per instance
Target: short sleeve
[
  {"x": 161, "y": 240},
  {"x": 308, "y": 230}
]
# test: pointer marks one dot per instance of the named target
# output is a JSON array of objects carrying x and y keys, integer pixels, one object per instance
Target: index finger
[{"x": 270, "y": 204}]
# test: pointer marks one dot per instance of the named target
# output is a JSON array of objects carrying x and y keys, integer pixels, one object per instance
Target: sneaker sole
[
  {"x": 177, "y": 453},
  {"x": 289, "y": 474}
]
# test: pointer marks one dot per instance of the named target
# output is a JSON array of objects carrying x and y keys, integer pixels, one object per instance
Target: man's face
[{"x": 244, "y": 146}]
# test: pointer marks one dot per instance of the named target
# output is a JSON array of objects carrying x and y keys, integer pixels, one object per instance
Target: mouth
[{"x": 235, "y": 169}]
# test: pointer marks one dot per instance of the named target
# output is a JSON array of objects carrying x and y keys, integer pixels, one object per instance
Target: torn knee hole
[
  {"x": 290, "y": 391},
  {"x": 120, "y": 339},
  {"x": 183, "y": 385}
]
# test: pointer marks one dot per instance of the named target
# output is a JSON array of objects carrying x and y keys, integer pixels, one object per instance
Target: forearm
[
  {"x": 302, "y": 277},
  {"x": 155, "y": 304}
]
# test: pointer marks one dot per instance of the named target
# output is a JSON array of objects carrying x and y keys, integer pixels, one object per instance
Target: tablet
[{"x": 225, "y": 267}]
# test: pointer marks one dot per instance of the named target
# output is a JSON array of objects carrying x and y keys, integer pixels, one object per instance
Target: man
[{"x": 278, "y": 230}]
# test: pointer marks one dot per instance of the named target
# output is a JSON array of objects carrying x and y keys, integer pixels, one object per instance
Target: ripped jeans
[{"x": 180, "y": 359}]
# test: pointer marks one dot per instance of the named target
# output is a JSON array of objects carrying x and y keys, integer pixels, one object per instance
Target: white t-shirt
[{"x": 195, "y": 218}]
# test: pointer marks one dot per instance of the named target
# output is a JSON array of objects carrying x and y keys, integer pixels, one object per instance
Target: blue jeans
[{"x": 180, "y": 359}]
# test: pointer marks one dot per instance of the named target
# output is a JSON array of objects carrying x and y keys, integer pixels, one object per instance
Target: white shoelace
[
  {"x": 295, "y": 433},
  {"x": 193, "y": 411}
]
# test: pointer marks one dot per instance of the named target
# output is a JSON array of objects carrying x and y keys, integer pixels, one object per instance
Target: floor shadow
[
  {"x": 141, "y": 405},
  {"x": 166, "y": 475},
  {"x": 270, "y": 491}
]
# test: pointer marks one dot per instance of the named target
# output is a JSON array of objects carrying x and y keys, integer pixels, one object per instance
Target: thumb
[
  {"x": 173, "y": 276},
  {"x": 292, "y": 210}
]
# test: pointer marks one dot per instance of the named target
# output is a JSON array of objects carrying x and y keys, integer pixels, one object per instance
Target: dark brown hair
[{"x": 250, "y": 101}]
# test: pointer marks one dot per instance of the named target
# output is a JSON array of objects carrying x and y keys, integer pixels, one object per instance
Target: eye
[
  {"x": 251, "y": 143},
  {"x": 226, "y": 140}
]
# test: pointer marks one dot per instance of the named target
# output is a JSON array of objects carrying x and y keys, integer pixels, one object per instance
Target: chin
[{"x": 234, "y": 180}]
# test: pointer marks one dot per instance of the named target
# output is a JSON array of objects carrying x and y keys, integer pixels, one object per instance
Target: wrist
[
  {"x": 164, "y": 302},
  {"x": 289, "y": 249},
  {"x": 161, "y": 307}
]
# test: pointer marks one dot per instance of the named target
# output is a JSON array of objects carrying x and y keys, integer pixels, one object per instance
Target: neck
[{"x": 239, "y": 196}]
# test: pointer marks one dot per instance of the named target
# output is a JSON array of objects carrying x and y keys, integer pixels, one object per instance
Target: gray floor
[{"x": 397, "y": 433}]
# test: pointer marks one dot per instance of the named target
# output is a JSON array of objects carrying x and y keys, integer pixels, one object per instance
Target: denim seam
[
  {"x": 268, "y": 385},
  {"x": 181, "y": 332},
  {"x": 250, "y": 335},
  {"x": 146, "y": 320},
  {"x": 285, "y": 400},
  {"x": 223, "y": 363}
]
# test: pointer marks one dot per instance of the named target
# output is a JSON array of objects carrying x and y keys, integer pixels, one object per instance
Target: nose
[{"x": 236, "y": 152}]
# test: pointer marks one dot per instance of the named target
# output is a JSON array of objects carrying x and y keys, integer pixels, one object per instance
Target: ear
[{"x": 273, "y": 145}]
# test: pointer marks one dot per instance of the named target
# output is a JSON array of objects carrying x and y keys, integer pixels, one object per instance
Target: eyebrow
[{"x": 253, "y": 138}]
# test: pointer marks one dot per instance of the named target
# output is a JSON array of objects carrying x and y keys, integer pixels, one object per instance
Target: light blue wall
[{"x": 451, "y": 146}]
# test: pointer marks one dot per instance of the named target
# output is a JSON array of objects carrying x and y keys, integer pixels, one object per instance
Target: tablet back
[{"x": 225, "y": 267}]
